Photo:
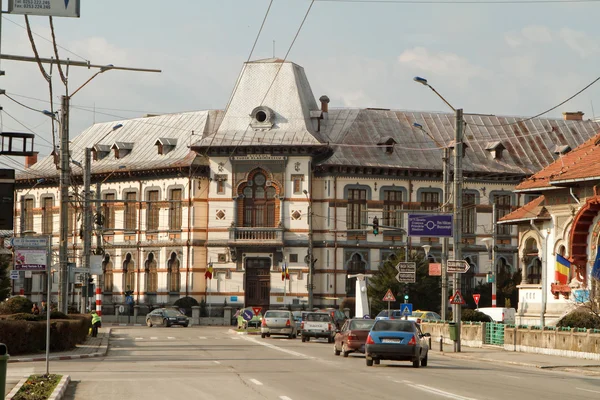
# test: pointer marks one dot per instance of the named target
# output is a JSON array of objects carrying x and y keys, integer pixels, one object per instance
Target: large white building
[{"x": 236, "y": 189}]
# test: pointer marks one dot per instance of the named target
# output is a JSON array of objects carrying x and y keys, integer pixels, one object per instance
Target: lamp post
[
  {"x": 457, "y": 214},
  {"x": 310, "y": 252},
  {"x": 490, "y": 245}
]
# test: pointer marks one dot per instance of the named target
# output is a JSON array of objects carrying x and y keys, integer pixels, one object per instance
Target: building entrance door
[{"x": 258, "y": 282}]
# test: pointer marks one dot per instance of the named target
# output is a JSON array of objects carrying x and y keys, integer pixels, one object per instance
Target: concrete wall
[
  {"x": 471, "y": 334},
  {"x": 569, "y": 343}
]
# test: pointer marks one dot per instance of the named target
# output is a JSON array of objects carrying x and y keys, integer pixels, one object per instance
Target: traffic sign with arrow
[
  {"x": 457, "y": 266},
  {"x": 406, "y": 272}
]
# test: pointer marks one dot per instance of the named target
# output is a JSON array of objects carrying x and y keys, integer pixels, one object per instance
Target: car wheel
[
  {"x": 330, "y": 339},
  {"x": 149, "y": 323},
  {"x": 295, "y": 335},
  {"x": 376, "y": 362},
  {"x": 369, "y": 362},
  {"x": 303, "y": 338},
  {"x": 345, "y": 351},
  {"x": 263, "y": 335},
  {"x": 335, "y": 350},
  {"x": 424, "y": 361},
  {"x": 416, "y": 363},
  {"x": 268, "y": 335},
  {"x": 186, "y": 324},
  {"x": 166, "y": 323}
]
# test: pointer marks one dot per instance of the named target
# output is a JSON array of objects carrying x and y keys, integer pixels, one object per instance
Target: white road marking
[
  {"x": 235, "y": 338},
  {"x": 588, "y": 390},
  {"x": 201, "y": 337},
  {"x": 154, "y": 338},
  {"x": 170, "y": 337},
  {"x": 440, "y": 392},
  {"x": 511, "y": 376},
  {"x": 284, "y": 398},
  {"x": 217, "y": 362},
  {"x": 256, "y": 382},
  {"x": 271, "y": 346},
  {"x": 139, "y": 338}
]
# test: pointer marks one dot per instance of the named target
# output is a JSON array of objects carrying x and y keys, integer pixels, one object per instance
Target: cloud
[
  {"x": 532, "y": 34},
  {"x": 579, "y": 42},
  {"x": 449, "y": 65}
]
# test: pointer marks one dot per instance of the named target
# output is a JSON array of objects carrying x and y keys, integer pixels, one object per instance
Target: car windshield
[
  {"x": 362, "y": 324},
  {"x": 172, "y": 313},
  {"x": 393, "y": 325},
  {"x": 277, "y": 314},
  {"x": 383, "y": 313},
  {"x": 317, "y": 317}
]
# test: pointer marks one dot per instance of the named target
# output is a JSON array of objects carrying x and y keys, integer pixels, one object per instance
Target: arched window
[
  {"x": 128, "y": 273},
  {"x": 356, "y": 265},
  {"x": 174, "y": 275},
  {"x": 151, "y": 272},
  {"x": 107, "y": 268},
  {"x": 259, "y": 201}
]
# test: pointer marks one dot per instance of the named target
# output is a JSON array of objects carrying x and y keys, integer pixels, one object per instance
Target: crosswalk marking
[
  {"x": 154, "y": 338},
  {"x": 201, "y": 337},
  {"x": 170, "y": 337}
]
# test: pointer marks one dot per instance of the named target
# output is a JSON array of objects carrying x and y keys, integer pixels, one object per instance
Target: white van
[{"x": 500, "y": 314}]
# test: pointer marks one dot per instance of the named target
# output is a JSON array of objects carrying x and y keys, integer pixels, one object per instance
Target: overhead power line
[{"x": 474, "y": 2}]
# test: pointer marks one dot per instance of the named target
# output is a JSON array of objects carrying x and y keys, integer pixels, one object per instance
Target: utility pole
[
  {"x": 310, "y": 255},
  {"x": 493, "y": 259},
  {"x": 458, "y": 180},
  {"x": 86, "y": 225},
  {"x": 445, "y": 240},
  {"x": 65, "y": 173}
]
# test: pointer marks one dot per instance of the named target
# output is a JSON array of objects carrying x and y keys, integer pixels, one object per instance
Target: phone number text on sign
[
  {"x": 30, "y": 260},
  {"x": 34, "y": 4}
]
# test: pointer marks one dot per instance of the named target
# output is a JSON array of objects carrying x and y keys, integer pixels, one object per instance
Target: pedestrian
[
  {"x": 96, "y": 323},
  {"x": 35, "y": 310},
  {"x": 44, "y": 307}
]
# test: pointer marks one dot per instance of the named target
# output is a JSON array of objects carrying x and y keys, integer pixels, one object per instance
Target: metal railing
[{"x": 256, "y": 234}]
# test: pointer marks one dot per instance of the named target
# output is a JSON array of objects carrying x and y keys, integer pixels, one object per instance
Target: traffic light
[{"x": 375, "y": 226}]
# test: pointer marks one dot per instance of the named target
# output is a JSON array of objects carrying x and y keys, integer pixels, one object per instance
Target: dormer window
[
  {"x": 495, "y": 149},
  {"x": 165, "y": 145},
  {"x": 122, "y": 149},
  {"x": 262, "y": 118},
  {"x": 389, "y": 143},
  {"x": 100, "y": 151},
  {"x": 562, "y": 150}
]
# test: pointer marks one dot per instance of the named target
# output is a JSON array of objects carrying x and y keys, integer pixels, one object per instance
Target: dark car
[
  {"x": 167, "y": 317},
  {"x": 396, "y": 339},
  {"x": 352, "y": 337},
  {"x": 338, "y": 316}
]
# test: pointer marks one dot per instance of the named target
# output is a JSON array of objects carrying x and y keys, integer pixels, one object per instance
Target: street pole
[
  {"x": 48, "y": 293},
  {"x": 458, "y": 178},
  {"x": 65, "y": 172},
  {"x": 493, "y": 255},
  {"x": 87, "y": 221},
  {"x": 310, "y": 255},
  {"x": 445, "y": 240}
]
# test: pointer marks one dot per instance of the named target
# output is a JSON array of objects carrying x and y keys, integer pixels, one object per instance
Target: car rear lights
[
  {"x": 328, "y": 327},
  {"x": 264, "y": 322},
  {"x": 352, "y": 337},
  {"x": 302, "y": 325},
  {"x": 418, "y": 320},
  {"x": 288, "y": 323},
  {"x": 370, "y": 340},
  {"x": 412, "y": 341}
]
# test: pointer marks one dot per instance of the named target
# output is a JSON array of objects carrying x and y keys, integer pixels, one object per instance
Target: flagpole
[
  {"x": 209, "y": 287},
  {"x": 284, "y": 281}
]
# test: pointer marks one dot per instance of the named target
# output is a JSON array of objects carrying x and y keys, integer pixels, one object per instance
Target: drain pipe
[
  {"x": 544, "y": 272},
  {"x": 573, "y": 195}
]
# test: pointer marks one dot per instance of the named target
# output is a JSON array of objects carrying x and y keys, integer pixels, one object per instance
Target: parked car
[
  {"x": 424, "y": 316},
  {"x": 338, "y": 316},
  {"x": 278, "y": 322},
  {"x": 500, "y": 314},
  {"x": 352, "y": 337},
  {"x": 167, "y": 317},
  {"x": 393, "y": 314},
  {"x": 256, "y": 319},
  {"x": 318, "y": 324},
  {"x": 397, "y": 339}
]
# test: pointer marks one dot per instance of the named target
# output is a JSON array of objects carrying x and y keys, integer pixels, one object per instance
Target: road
[{"x": 210, "y": 363}]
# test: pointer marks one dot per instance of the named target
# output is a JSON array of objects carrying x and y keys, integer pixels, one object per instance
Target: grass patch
[
  {"x": 38, "y": 387},
  {"x": 249, "y": 330}
]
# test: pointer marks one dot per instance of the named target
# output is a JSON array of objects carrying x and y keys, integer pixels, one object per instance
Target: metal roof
[
  {"x": 138, "y": 135},
  {"x": 529, "y": 146}
]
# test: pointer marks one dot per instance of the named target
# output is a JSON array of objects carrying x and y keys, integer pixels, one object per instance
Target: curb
[
  {"x": 465, "y": 357},
  {"x": 103, "y": 350},
  {"x": 234, "y": 332},
  {"x": 58, "y": 393},
  {"x": 127, "y": 324}
]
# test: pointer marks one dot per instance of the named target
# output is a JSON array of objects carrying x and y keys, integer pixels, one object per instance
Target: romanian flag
[
  {"x": 562, "y": 270},
  {"x": 209, "y": 271},
  {"x": 285, "y": 272}
]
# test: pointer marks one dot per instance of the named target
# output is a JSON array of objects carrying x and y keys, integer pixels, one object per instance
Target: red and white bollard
[{"x": 99, "y": 301}]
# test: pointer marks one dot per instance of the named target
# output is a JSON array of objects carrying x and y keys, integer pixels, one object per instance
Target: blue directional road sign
[
  {"x": 436, "y": 225},
  {"x": 406, "y": 309},
  {"x": 247, "y": 314}
]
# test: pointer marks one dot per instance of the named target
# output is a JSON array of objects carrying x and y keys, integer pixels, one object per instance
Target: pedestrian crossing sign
[
  {"x": 457, "y": 298},
  {"x": 389, "y": 296}
]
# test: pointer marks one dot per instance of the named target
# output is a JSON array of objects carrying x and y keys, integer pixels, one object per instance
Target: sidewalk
[
  {"x": 92, "y": 347},
  {"x": 543, "y": 361}
]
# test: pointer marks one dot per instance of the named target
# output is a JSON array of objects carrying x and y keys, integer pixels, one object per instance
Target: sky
[{"x": 501, "y": 58}]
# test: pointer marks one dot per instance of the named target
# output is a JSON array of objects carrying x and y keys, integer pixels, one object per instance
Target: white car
[{"x": 278, "y": 322}]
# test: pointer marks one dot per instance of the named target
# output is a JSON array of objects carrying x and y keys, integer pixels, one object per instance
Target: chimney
[
  {"x": 324, "y": 103},
  {"x": 573, "y": 116},
  {"x": 31, "y": 160}
]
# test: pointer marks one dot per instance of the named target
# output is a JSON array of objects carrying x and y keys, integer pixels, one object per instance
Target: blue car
[{"x": 399, "y": 340}]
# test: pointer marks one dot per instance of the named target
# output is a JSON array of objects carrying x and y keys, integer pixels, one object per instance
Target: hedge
[{"x": 23, "y": 336}]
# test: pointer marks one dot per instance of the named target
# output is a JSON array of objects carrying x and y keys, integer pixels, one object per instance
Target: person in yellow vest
[{"x": 96, "y": 323}]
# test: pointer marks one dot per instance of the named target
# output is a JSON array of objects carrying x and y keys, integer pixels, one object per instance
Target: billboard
[
  {"x": 54, "y": 8},
  {"x": 30, "y": 259}
]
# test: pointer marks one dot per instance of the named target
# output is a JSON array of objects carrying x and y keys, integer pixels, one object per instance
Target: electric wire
[
  {"x": 472, "y": 2},
  {"x": 26, "y": 127}
]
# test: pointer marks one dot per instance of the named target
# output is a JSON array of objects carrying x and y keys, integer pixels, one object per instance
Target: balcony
[{"x": 256, "y": 236}]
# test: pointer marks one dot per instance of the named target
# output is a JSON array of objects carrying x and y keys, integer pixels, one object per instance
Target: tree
[
  {"x": 424, "y": 294},
  {"x": 4, "y": 279}
]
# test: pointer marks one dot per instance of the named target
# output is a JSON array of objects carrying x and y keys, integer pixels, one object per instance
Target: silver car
[{"x": 278, "y": 322}]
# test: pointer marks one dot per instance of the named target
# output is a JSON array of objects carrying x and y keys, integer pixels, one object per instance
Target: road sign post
[
  {"x": 476, "y": 297},
  {"x": 406, "y": 272},
  {"x": 457, "y": 266},
  {"x": 389, "y": 297},
  {"x": 406, "y": 310},
  {"x": 431, "y": 225}
]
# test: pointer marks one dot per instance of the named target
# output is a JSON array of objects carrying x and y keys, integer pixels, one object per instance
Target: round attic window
[{"x": 261, "y": 116}]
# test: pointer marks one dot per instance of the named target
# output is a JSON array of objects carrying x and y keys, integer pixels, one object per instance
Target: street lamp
[
  {"x": 490, "y": 245},
  {"x": 426, "y": 248},
  {"x": 457, "y": 214},
  {"x": 310, "y": 252}
]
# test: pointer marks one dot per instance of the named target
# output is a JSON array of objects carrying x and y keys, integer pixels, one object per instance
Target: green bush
[
  {"x": 24, "y": 317},
  {"x": 16, "y": 305},
  {"x": 58, "y": 315},
  {"x": 186, "y": 303},
  {"x": 474, "y": 316},
  {"x": 349, "y": 302},
  {"x": 580, "y": 319}
]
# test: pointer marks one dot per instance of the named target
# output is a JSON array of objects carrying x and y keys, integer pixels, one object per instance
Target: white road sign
[
  {"x": 54, "y": 8},
  {"x": 457, "y": 266},
  {"x": 406, "y": 272},
  {"x": 14, "y": 274}
]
